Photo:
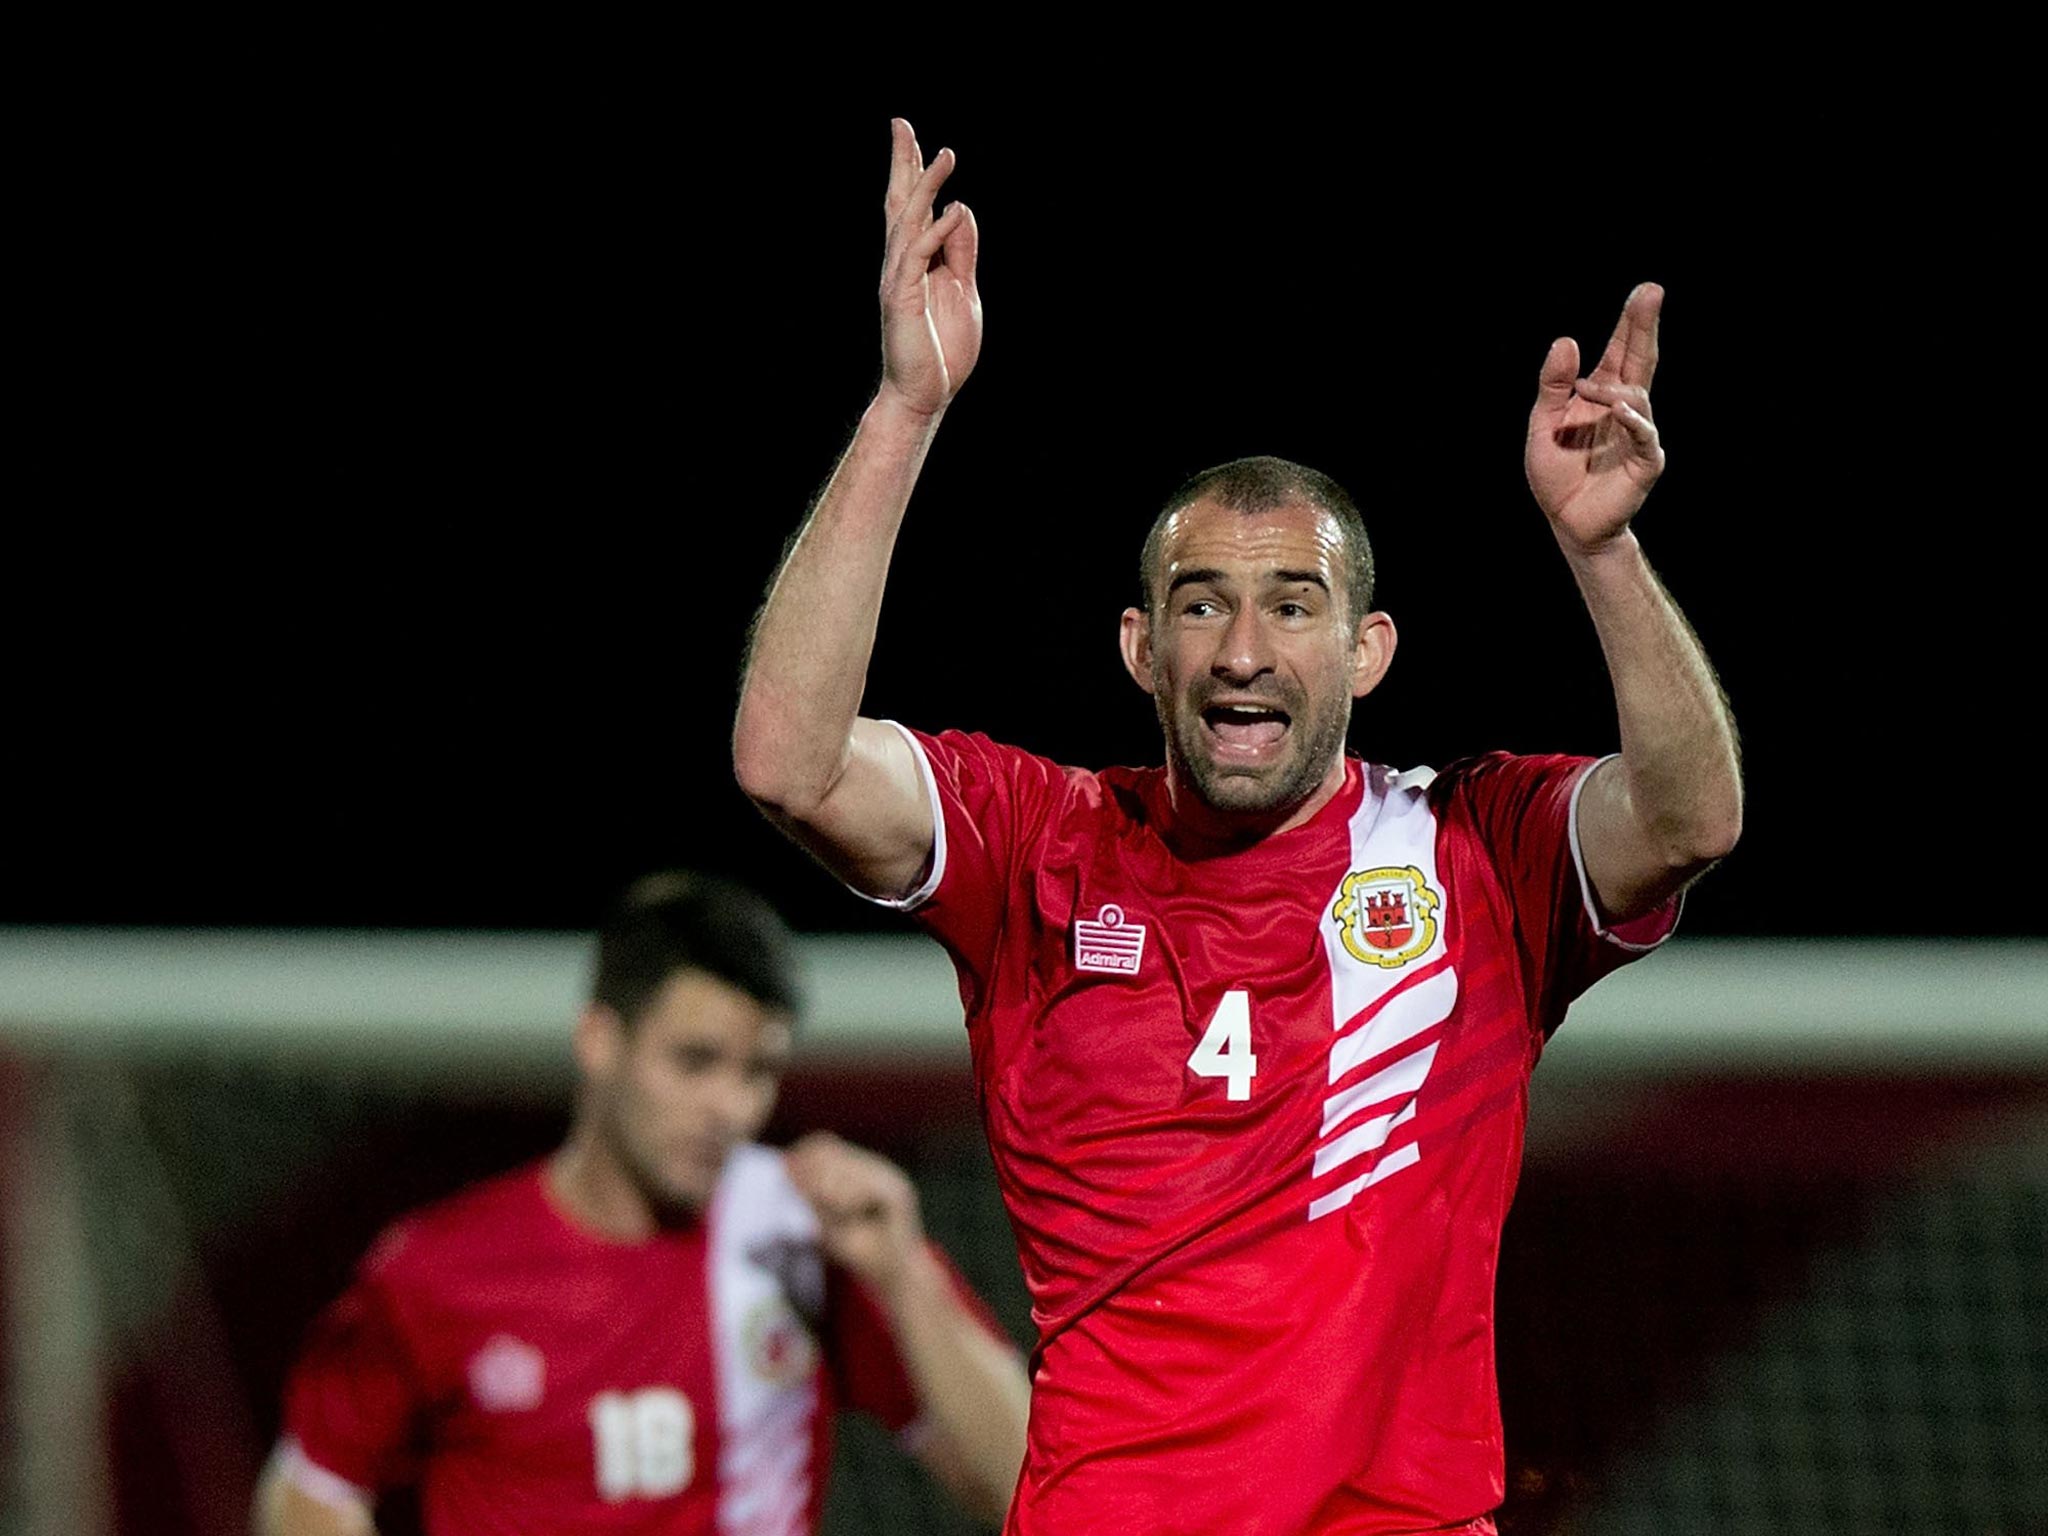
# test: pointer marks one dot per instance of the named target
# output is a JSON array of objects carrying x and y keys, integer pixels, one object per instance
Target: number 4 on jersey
[{"x": 1225, "y": 1049}]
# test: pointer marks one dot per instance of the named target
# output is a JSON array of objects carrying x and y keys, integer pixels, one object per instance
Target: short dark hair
[
  {"x": 680, "y": 921},
  {"x": 1260, "y": 485}
]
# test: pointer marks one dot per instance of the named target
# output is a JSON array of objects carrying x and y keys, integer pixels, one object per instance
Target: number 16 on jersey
[{"x": 1225, "y": 1049}]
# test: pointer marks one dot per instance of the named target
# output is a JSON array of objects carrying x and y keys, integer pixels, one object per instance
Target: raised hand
[
  {"x": 867, "y": 1209},
  {"x": 1592, "y": 453},
  {"x": 931, "y": 309}
]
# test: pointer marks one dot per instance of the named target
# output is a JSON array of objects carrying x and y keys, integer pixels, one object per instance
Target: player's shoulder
[
  {"x": 473, "y": 1227},
  {"x": 1503, "y": 772},
  {"x": 979, "y": 749},
  {"x": 1055, "y": 787}
]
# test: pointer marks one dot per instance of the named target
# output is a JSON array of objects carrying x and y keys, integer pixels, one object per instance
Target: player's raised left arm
[{"x": 1672, "y": 805}]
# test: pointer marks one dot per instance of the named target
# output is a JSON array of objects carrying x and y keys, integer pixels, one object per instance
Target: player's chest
[
  {"x": 621, "y": 1387},
  {"x": 1128, "y": 966}
]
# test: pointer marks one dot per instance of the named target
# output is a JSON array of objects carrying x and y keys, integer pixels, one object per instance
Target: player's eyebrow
[
  {"x": 1303, "y": 578},
  {"x": 1201, "y": 575}
]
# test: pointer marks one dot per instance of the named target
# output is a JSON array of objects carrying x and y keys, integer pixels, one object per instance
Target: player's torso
[
  {"x": 1244, "y": 1110},
  {"x": 666, "y": 1386}
]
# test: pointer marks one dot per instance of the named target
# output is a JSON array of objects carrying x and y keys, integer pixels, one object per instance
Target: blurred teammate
[
  {"x": 651, "y": 1329},
  {"x": 1253, "y": 1030}
]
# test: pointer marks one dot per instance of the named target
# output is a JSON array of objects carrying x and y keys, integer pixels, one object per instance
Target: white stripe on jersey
[
  {"x": 766, "y": 1427},
  {"x": 1403, "y": 1077},
  {"x": 1400, "y": 1019},
  {"x": 1393, "y": 827}
]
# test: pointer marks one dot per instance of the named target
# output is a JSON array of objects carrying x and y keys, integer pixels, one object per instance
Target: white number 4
[{"x": 1225, "y": 1050}]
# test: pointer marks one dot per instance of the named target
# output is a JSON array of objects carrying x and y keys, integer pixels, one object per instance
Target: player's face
[
  {"x": 1250, "y": 654},
  {"x": 694, "y": 1076}
]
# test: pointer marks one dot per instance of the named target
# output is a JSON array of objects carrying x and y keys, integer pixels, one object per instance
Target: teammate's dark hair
[
  {"x": 680, "y": 921},
  {"x": 1259, "y": 485}
]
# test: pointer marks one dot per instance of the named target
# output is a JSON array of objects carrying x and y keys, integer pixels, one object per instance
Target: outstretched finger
[
  {"x": 963, "y": 247},
  {"x": 1631, "y": 353},
  {"x": 916, "y": 212},
  {"x": 1639, "y": 360},
  {"x": 906, "y": 164},
  {"x": 1612, "y": 355},
  {"x": 1554, "y": 383}
]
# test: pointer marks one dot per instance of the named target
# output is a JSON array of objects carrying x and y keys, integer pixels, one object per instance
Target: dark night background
[{"x": 396, "y": 505}]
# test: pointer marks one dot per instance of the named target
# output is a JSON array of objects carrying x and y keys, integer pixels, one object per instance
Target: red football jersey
[
  {"x": 534, "y": 1377},
  {"x": 1257, "y": 1119}
]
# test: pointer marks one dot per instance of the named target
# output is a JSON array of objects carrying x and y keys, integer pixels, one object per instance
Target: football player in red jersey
[
  {"x": 1253, "y": 1029},
  {"x": 650, "y": 1330}
]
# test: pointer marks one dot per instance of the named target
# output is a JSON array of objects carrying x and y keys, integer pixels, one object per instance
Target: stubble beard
[{"x": 1317, "y": 737}]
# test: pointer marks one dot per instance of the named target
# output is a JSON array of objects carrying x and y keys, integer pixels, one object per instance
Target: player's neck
[
  {"x": 1199, "y": 828},
  {"x": 594, "y": 1194}
]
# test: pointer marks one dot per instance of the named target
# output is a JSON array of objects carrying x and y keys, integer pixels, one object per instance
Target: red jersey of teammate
[
  {"x": 1257, "y": 1119},
  {"x": 534, "y": 1377}
]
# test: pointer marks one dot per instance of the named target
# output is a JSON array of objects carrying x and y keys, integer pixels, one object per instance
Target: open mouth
[{"x": 1246, "y": 727}]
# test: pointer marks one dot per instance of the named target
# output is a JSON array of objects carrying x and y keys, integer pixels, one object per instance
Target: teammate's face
[
  {"x": 1251, "y": 656},
  {"x": 693, "y": 1077}
]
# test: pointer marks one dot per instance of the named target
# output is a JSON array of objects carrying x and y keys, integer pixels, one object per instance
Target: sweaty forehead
[{"x": 1294, "y": 537}]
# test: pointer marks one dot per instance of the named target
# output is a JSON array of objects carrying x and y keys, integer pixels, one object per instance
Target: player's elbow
[
  {"x": 1715, "y": 826},
  {"x": 1719, "y": 836},
  {"x": 1688, "y": 831},
  {"x": 757, "y": 772},
  {"x": 1686, "y": 849},
  {"x": 783, "y": 760},
  {"x": 770, "y": 775}
]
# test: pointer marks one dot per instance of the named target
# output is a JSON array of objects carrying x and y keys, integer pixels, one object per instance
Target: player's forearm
[
  {"x": 971, "y": 1388},
  {"x": 808, "y": 660},
  {"x": 1678, "y": 741}
]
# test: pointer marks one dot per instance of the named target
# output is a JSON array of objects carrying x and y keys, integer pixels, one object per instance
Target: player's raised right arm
[{"x": 847, "y": 788}]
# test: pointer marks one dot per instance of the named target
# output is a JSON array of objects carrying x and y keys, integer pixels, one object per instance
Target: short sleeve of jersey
[
  {"x": 867, "y": 1367},
  {"x": 353, "y": 1400},
  {"x": 989, "y": 804},
  {"x": 1525, "y": 811}
]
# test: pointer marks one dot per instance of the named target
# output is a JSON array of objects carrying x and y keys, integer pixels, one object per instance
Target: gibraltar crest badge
[
  {"x": 1386, "y": 916},
  {"x": 779, "y": 1349}
]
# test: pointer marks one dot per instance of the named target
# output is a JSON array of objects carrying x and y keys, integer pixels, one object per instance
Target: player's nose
[
  {"x": 733, "y": 1102},
  {"x": 1242, "y": 652}
]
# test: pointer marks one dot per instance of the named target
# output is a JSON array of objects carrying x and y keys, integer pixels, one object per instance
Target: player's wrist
[
  {"x": 1614, "y": 551},
  {"x": 915, "y": 1279},
  {"x": 896, "y": 412}
]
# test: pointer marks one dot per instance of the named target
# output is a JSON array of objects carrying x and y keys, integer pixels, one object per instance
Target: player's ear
[
  {"x": 600, "y": 1040},
  {"x": 1134, "y": 639},
  {"x": 1374, "y": 653}
]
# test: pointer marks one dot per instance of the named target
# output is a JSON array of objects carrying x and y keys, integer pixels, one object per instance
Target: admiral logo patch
[
  {"x": 507, "y": 1375},
  {"x": 1109, "y": 944},
  {"x": 1386, "y": 916}
]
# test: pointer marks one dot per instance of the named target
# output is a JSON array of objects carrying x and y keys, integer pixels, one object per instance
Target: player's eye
[{"x": 694, "y": 1058}]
